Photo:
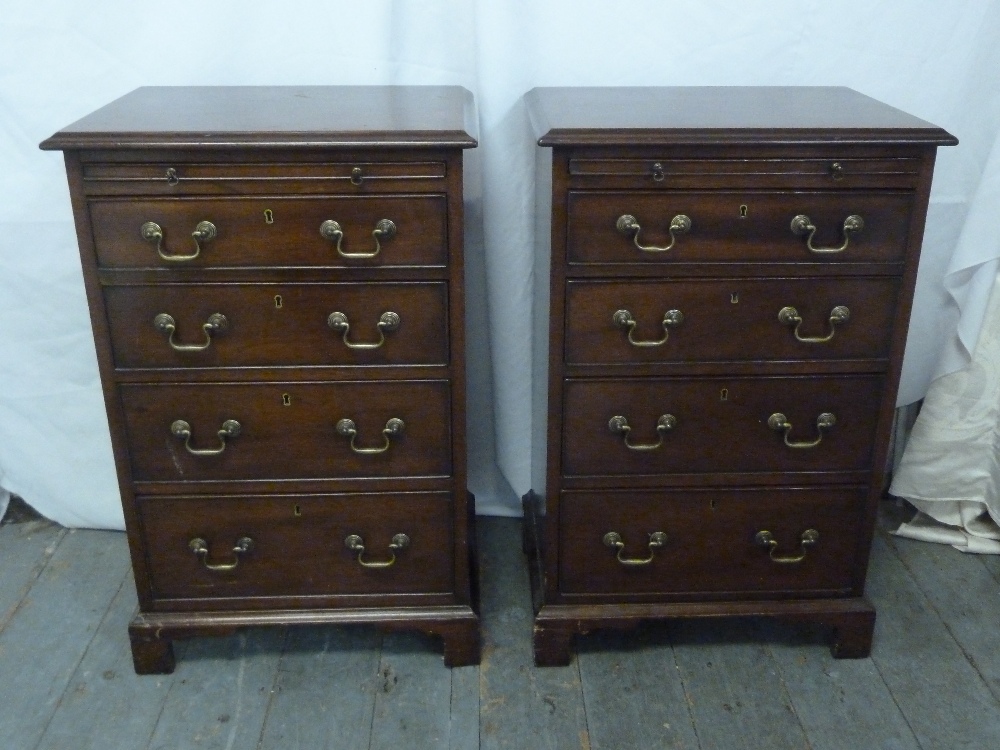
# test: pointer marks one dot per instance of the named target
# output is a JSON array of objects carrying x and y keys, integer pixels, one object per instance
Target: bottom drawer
[
  {"x": 297, "y": 545},
  {"x": 711, "y": 543}
]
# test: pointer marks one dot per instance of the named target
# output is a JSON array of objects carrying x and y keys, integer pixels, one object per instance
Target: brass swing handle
[
  {"x": 629, "y": 225},
  {"x": 766, "y": 539},
  {"x": 393, "y": 427},
  {"x": 331, "y": 230},
  {"x": 216, "y": 323},
  {"x": 623, "y": 319},
  {"x": 203, "y": 232},
  {"x": 614, "y": 540},
  {"x": 778, "y": 422},
  {"x": 789, "y": 316},
  {"x": 620, "y": 426},
  {"x": 388, "y": 322},
  {"x": 181, "y": 429},
  {"x": 356, "y": 544},
  {"x": 200, "y": 548},
  {"x": 802, "y": 225}
]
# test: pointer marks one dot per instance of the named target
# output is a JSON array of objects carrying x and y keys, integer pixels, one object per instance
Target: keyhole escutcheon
[
  {"x": 743, "y": 211},
  {"x": 268, "y": 216}
]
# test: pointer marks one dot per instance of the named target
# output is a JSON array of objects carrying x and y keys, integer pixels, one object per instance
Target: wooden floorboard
[{"x": 66, "y": 678}]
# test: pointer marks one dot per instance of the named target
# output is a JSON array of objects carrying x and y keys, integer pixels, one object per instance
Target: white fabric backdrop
[{"x": 59, "y": 60}]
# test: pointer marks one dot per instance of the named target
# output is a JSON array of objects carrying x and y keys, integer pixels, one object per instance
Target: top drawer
[
  {"x": 330, "y": 231},
  {"x": 738, "y": 227}
]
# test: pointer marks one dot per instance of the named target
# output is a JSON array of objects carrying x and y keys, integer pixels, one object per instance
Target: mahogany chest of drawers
[
  {"x": 723, "y": 285},
  {"x": 275, "y": 278}
]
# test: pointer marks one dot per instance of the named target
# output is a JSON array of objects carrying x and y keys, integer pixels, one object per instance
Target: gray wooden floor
[{"x": 66, "y": 680}]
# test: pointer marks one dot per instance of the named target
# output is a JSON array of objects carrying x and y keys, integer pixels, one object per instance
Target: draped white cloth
[{"x": 60, "y": 60}]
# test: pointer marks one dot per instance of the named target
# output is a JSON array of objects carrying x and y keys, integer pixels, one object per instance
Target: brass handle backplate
[
  {"x": 200, "y": 548},
  {"x": 803, "y": 226},
  {"x": 619, "y": 426},
  {"x": 614, "y": 540},
  {"x": 356, "y": 544},
  {"x": 766, "y": 539},
  {"x": 388, "y": 322},
  {"x": 384, "y": 229},
  {"x": 216, "y": 323},
  {"x": 629, "y": 225},
  {"x": 789, "y": 316},
  {"x": 393, "y": 427},
  {"x": 203, "y": 232},
  {"x": 623, "y": 319},
  {"x": 779, "y": 423},
  {"x": 181, "y": 429}
]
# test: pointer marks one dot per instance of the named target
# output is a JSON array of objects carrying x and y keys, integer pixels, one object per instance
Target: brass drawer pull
[
  {"x": 619, "y": 425},
  {"x": 778, "y": 422},
  {"x": 356, "y": 544},
  {"x": 614, "y": 540},
  {"x": 331, "y": 230},
  {"x": 388, "y": 322},
  {"x": 801, "y": 225},
  {"x": 789, "y": 316},
  {"x": 624, "y": 319},
  {"x": 766, "y": 539},
  {"x": 393, "y": 427},
  {"x": 203, "y": 232},
  {"x": 216, "y": 323},
  {"x": 200, "y": 547},
  {"x": 181, "y": 429},
  {"x": 627, "y": 224}
]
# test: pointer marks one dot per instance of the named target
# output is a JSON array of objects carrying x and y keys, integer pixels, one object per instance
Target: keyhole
[
  {"x": 724, "y": 394},
  {"x": 356, "y": 176},
  {"x": 297, "y": 510},
  {"x": 277, "y": 301},
  {"x": 711, "y": 504},
  {"x": 286, "y": 399},
  {"x": 172, "y": 176},
  {"x": 743, "y": 211},
  {"x": 734, "y": 298},
  {"x": 268, "y": 216}
]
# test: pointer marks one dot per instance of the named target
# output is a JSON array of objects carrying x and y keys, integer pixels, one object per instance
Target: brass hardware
[
  {"x": 837, "y": 171},
  {"x": 277, "y": 301},
  {"x": 614, "y": 540},
  {"x": 766, "y": 539},
  {"x": 286, "y": 399},
  {"x": 393, "y": 428},
  {"x": 624, "y": 319},
  {"x": 331, "y": 230},
  {"x": 356, "y": 544},
  {"x": 203, "y": 232},
  {"x": 181, "y": 429},
  {"x": 172, "y": 178},
  {"x": 778, "y": 422},
  {"x": 356, "y": 176},
  {"x": 801, "y": 225},
  {"x": 658, "y": 172},
  {"x": 268, "y": 216},
  {"x": 734, "y": 298},
  {"x": 200, "y": 548},
  {"x": 388, "y": 322},
  {"x": 619, "y": 426},
  {"x": 743, "y": 211},
  {"x": 628, "y": 224},
  {"x": 297, "y": 511},
  {"x": 724, "y": 394},
  {"x": 216, "y": 323},
  {"x": 789, "y": 316}
]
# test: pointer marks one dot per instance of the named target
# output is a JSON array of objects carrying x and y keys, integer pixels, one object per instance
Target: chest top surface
[
  {"x": 721, "y": 114},
  {"x": 262, "y": 116}
]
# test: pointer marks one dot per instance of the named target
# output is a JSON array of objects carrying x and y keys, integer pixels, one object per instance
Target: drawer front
[
  {"x": 278, "y": 324},
  {"x": 720, "y": 232},
  {"x": 297, "y": 545},
  {"x": 729, "y": 320},
  {"x": 277, "y": 231},
  {"x": 720, "y": 425},
  {"x": 288, "y": 430},
  {"x": 710, "y": 543}
]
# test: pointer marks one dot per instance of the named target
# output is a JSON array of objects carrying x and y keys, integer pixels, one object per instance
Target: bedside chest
[
  {"x": 275, "y": 279},
  {"x": 723, "y": 285}
]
